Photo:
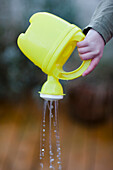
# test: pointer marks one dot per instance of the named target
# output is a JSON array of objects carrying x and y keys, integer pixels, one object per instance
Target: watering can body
[{"x": 48, "y": 43}]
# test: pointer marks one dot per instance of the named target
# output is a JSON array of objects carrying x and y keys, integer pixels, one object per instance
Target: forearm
[{"x": 102, "y": 20}]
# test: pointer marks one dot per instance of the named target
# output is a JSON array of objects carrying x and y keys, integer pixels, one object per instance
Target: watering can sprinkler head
[{"x": 52, "y": 89}]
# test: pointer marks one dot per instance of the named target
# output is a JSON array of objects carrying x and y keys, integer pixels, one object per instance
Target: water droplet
[
  {"x": 54, "y": 123},
  {"x": 51, "y": 160},
  {"x": 58, "y": 142},
  {"x": 59, "y": 162},
  {"x": 52, "y": 106},
  {"x": 43, "y": 154},
  {"x": 42, "y": 150},
  {"x": 51, "y": 153},
  {"x": 59, "y": 153},
  {"x": 50, "y": 166},
  {"x": 43, "y": 130},
  {"x": 58, "y": 145},
  {"x": 58, "y": 137},
  {"x": 41, "y": 164},
  {"x": 60, "y": 167}
]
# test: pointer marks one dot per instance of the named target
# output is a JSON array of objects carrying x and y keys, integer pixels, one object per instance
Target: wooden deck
[{"x": 83, "y": 147}]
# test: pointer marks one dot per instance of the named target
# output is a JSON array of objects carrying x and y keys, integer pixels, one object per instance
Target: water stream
[{"x": 50, "y": 145}]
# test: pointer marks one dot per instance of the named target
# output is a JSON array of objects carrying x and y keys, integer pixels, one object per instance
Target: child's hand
[{"x": 91, "y": 48}]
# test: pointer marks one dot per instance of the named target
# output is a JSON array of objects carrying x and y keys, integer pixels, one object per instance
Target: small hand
[{"x": 91, "y": 48}]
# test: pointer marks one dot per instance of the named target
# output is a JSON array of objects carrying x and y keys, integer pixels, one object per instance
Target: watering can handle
[{"x": 79, "y": 71}]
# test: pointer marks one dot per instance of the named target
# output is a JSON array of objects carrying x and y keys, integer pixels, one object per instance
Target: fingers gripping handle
[{"x": 79, "y": 71}]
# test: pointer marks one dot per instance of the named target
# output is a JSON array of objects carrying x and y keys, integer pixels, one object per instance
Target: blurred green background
[
  {"x": 86, "y": 112},
  {"x": 18, "y": 76}
]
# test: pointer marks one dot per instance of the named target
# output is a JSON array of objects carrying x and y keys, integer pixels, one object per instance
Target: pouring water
[{"x": 52, "y": 121}]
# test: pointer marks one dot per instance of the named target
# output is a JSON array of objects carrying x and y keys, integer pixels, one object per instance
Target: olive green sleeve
[{"x": 102, "y": 20}]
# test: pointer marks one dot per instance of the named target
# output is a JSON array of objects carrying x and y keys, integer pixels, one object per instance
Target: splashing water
[{"x": 53, "y": 125}]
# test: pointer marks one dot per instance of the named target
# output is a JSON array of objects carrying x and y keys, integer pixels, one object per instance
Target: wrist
[
  {"x": 99, "y": 34},
  {"x": 87, "y": 29}
]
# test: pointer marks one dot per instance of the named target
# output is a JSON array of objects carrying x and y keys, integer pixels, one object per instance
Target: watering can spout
[{"x": 52, "y": 89}]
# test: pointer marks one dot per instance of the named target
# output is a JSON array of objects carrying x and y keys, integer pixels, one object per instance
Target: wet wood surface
[{"x": 83, "y": 147}]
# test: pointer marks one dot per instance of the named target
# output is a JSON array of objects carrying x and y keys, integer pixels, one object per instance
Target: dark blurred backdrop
[
  {"x": 18, "y": 76},
  {"x": 88, "y": 101}
]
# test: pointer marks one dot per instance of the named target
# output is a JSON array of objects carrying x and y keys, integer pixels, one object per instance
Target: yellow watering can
[{"x": 48, "y": 43}]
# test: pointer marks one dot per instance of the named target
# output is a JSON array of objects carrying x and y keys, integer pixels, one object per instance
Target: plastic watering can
[{"x": 48, "y": 43}]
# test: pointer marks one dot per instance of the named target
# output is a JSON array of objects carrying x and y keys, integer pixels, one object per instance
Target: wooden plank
[
  {"x": 104, "y": 156},
  {"x": 6, "y": 137},
  {"x": 24, "y": 156},
  {"x": 13, "y": 139},
  {"x": 8, "y": 131},
  {"x": 83, "y": 148}
]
